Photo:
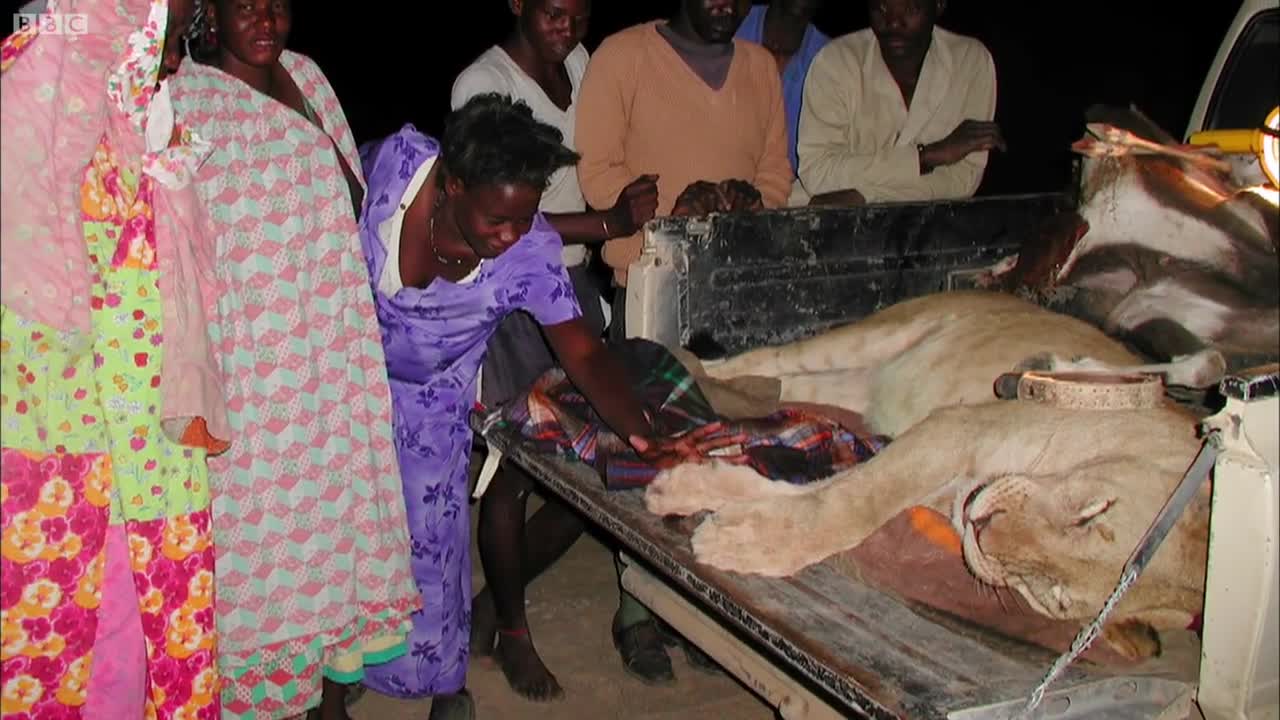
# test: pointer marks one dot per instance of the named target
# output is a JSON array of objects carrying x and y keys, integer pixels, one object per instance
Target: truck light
[{"x": 1266, "y": 145}]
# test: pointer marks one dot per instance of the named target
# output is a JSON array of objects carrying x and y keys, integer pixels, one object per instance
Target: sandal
[
  {"x": 644, "y": 656},
  {"x": 456, "y": 706}
]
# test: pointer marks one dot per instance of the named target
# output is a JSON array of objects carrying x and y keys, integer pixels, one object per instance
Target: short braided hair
[{"x": 494, "y": 140}]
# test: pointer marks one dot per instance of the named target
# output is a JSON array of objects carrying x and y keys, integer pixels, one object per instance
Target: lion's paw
[
  {"x": 765, "y": 537},
  {"x": 1199, "y": 370},
  {"x": 1132, "y": 639},
  {"x": 692, "y": 487}
]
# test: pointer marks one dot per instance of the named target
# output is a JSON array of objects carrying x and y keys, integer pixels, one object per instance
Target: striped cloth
[{"x": 788, "y": 445}]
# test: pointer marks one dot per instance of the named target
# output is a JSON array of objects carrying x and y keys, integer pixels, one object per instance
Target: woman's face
[
  {"x": 553, "y": 27},
  {"x": 491, "y": 218},
  {"x": 253, "y": 32}
]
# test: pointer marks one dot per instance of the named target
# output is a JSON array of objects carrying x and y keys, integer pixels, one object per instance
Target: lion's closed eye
[{"x": 1092, "y": 511}]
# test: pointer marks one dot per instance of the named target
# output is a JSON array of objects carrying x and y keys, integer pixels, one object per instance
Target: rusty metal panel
[{"x": 751, "y": 279}]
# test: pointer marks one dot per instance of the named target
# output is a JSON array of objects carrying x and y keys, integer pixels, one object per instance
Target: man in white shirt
[
  {"x": 901, "y": 111},
  {"x": 495, "y": 71}
]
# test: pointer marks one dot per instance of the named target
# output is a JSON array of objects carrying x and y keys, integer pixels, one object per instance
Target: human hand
[
  {"x": 969, "y": 136},
  {"x": 692, "y": 447},
  {"x": 700, "y": 198},
  {"x": 736, "y": 195},
  {"x": 636, "y": 205}
]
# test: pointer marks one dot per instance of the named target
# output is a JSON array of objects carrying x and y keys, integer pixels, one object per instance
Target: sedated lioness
[{"x": 1049, "y": 501}]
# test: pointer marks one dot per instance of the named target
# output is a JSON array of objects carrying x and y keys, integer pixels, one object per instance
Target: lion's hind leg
[{"x": 865, "y": 344}]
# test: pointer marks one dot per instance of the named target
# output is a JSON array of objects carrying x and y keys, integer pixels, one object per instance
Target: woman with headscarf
[
  {"x": 455, "y": 243},
  {"x": 313, "y": 546},
  {"x": 110, "y": 399}
]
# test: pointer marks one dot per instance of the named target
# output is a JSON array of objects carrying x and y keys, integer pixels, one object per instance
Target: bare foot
[
  {"x": 457, "y": 706},
  {"x": 484, "y": 625},
  {"x": 524, "y": 669},
  {"x": 333, "y": 705}
]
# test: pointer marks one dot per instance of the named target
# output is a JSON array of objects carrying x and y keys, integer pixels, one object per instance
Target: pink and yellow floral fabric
[{"x": 85, "y": 456}]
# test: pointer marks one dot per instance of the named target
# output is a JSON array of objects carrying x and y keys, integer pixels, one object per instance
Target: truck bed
[{"x": 862, "y": 651}]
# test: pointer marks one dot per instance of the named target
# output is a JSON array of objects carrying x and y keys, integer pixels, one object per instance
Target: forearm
[
  {"x": 603, "y": 381},
  {"x": 830, "y": 168},
  {"x": 949, "y": 182},
  {"x": 774, "y": 174},
  {"x": 582, "y": 228},
  {"x": 960, "y": 180}
]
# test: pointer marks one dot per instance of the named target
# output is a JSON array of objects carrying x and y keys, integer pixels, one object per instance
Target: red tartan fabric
[{"x": 791, "y": 445}]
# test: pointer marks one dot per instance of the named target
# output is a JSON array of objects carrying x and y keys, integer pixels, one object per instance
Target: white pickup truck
[
  {"x": 823, "y": 645},
  {"x": 726, "y": 284},
  {"x": 1240, "y": 93}
]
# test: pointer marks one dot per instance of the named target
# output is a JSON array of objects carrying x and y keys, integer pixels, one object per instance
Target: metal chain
[
  {"x": 1142, "y": 554},
  {"x": 1083, "y": 640}
]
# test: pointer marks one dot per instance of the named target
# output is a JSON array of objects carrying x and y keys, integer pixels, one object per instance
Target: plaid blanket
[{"x": 789, "y": 445}]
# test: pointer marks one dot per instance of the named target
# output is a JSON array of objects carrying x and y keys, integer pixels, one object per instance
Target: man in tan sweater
[{"x": 684, "y": 101}]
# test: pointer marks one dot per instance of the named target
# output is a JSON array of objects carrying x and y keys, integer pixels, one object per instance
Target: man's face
[
  {"x": 903, "y": 27},
  {"x": 554, "y": 27},
  {"x": 799, "y": 9},
  {"x": 715, "y": 21}
]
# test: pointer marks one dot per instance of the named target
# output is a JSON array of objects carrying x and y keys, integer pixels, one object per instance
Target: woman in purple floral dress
[{"x": 454, "y": 242}]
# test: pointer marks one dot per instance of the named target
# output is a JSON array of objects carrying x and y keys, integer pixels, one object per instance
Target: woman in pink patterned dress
[
  {"x": 313, "y": 545},
  {"x": 110, "y": 399}
]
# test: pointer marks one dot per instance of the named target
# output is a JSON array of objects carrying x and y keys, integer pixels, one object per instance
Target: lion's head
[{"x": 1061, "y": 540}]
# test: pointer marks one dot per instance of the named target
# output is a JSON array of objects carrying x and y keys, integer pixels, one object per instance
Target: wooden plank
[{"x": 775, "y": 684}]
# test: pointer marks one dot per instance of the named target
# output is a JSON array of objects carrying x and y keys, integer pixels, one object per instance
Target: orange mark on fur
[{"x": 935, "y": 528}]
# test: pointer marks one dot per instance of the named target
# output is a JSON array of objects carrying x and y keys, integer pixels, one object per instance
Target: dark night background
[
  {"x": 1053, "y": 60},
  {"x": 394, "y": 62}
]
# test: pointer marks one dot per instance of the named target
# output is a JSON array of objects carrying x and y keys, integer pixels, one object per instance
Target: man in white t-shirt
[{"x": 541, "y": 63}]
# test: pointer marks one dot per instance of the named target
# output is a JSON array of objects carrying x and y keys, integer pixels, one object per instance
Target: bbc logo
[{"x": 52, "y": 23}]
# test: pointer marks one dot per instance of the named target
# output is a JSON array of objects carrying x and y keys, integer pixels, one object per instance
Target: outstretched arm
[{"x": 596, "y": 372}]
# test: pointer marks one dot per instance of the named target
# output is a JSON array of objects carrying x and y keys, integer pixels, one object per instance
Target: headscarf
[{"x": 60, "y": 94}]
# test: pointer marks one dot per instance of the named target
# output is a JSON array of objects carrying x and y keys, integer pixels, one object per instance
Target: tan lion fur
[
  {"x": 897, "y": 365},
  {"x": 1049, "y": 501}
]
